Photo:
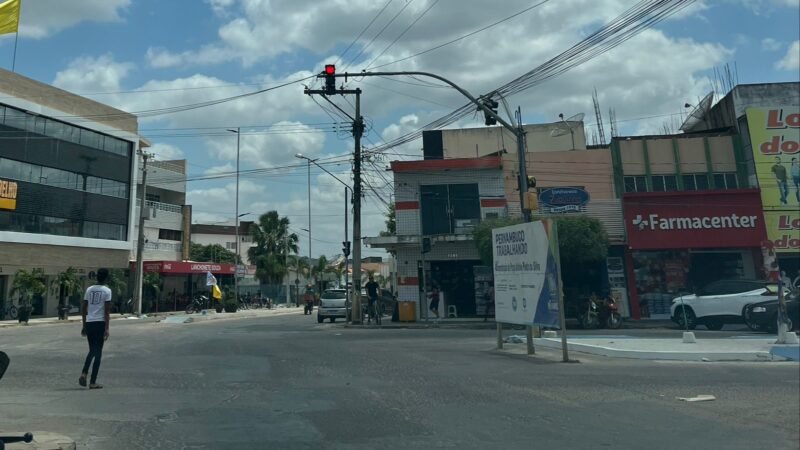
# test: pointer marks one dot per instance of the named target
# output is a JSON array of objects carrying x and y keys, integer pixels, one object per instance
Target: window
[
  {"x": 635, "y": 184},
  {"x": 169, "y": 235},
  {"x": 726, "y": 180},
  {"x": 230, "y": 245},
  {"x": 449, "y": 208},
  {"x": 663, "y": 183},
  {"x": 31, "y": 173}
]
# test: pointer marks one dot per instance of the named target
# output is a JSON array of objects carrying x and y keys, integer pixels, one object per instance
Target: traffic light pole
[
  {"x": 518, "y": 130},
  {"x": 358, "y": 131}
]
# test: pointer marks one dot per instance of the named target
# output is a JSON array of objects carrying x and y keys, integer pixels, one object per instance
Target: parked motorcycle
[
  {"x": 27, "y": 437},
  {"x": 600, "y": 313},
  {"x": 197, "y": 304}
]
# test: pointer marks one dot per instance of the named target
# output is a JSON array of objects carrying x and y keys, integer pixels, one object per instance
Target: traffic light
[
  {"x": 426, "y": 245},
  {"x": 330, "y": 79},
  {"x": 346, "y": 248},
  {"x": 531, "y": 182},
  {"x": 492, "y": 105}
]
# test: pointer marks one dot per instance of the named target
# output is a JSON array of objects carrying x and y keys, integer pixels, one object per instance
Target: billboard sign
[
  {"x": 8, "y": 194},
  {"x": 695, "y": 219},
  {"x": 525, "y": 275},
  {"x": 775, "y": 138},
  {"x": 562, "y": 199}
]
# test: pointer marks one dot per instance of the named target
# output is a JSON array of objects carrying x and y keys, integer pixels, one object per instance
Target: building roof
[
  {"x": 486, "y": 162},
  {"x": 226, "y": 230}
]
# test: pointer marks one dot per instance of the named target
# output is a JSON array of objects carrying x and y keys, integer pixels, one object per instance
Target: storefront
[
  {"x": 680, "y": 241},
  {"x": 182, "y": 281}
]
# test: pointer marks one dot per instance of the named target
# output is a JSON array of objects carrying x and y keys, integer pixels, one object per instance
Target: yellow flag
[
  {"x": 9, "y": 17},
  {"x": 216, "y": 293}
]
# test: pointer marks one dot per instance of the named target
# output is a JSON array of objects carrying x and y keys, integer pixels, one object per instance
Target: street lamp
[
  {"x": 346, "y": 212},
  {"x": 238, "y": 132},
  {"x": 301, "y": 156}
]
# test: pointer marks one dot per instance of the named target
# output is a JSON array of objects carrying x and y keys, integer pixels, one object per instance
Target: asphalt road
[{"x": 286, "y": 382}]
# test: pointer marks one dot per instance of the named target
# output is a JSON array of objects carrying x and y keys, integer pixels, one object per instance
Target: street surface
[{"x": 287, "y": 382}]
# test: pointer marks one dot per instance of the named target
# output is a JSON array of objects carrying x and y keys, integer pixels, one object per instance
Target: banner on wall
[
  {"x": 775, "y": 138},
  {"x": 525, "y": 275}
]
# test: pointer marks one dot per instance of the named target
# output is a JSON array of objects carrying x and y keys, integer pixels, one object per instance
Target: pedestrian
[
  {"x": 95, "y": 312},
  {"x": 435, "y": 300},
  {"x": 489, "y": 298}
]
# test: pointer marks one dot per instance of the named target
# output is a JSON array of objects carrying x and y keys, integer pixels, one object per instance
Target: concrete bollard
[{"x": 688, "y": 337}]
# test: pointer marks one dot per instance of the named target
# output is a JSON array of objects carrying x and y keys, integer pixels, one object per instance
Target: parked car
[
  {"x": 763, "y": 316},
  {"x": 332, "y": 305},
  {"x": 720, "y": 302}
]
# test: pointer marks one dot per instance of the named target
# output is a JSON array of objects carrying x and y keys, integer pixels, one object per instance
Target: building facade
[
  {"x": 66, "y": 170},
  {"x": 168, "y": 218}
]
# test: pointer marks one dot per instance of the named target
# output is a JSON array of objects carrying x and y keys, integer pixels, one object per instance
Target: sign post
[
  {"x": 527, "y": 282},
  {"x": 562, "y": 319}
]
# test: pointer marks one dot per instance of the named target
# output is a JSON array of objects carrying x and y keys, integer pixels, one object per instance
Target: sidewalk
[
  {"x": 741, "y": 348},
  {"x": 157, "y": 317}
]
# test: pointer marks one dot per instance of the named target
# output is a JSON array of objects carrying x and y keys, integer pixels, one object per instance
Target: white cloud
[
  {"x": 41, "y": 18},
  {"x": 771, "y": 45},
  {"x": 93, "y": 74},
  {"x": 166, "y": 152},
  {"x": 258, "y": 148},
  {"x": 790, "y": 61}
]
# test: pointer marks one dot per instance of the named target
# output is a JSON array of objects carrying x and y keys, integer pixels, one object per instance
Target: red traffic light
[{"x": 330, "y": 69}]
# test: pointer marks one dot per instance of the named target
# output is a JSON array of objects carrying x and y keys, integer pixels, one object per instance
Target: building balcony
[{"x": 160, "y": 215}]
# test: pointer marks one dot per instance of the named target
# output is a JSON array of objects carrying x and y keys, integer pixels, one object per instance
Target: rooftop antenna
[
  {"x": 567, "y": 127},
  {"x": 599, "y": 118}
]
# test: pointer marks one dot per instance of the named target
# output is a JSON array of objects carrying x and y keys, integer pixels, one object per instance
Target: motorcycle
[
  {"x": 27, "y": 437},
  {"x": 601, "y": 314},
  {"x": 197, "y": 304}
]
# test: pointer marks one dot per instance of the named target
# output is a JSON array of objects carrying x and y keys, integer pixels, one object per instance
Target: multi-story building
[
  {"x": 225, "y": 236},
  {"x": 66, "y": 170},
  {"x": 168, "y": 219},
  {"x": 767, "y": 117}
]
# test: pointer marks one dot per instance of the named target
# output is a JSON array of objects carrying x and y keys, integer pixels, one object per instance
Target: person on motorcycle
[{"x": 372, "y": 294}]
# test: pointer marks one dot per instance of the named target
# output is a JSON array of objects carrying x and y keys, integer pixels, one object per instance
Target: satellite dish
[
  {"x": 699, "y": 112},
  {"x": 566, "y": 128}
]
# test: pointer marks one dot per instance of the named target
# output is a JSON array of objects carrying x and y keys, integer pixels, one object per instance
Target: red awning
[{"x": 186, "y": 267}]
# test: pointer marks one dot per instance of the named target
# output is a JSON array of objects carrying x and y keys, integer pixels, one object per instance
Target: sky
[{"x": 144, "y": 55}]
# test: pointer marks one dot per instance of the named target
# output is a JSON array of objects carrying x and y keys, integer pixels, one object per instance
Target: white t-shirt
[{"x": 97, "y": 296}]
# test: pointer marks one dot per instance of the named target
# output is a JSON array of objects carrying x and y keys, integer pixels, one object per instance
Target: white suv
[{"x": 720, "y": 302}]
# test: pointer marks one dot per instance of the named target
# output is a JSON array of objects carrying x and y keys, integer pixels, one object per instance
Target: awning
[{"x": 186, "y": 267}]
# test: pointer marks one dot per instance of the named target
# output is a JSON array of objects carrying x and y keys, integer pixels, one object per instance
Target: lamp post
[
  {"x": 238, "y": 132},
  {"x": 346, "y": 211},
  {"x": 300, "y": 155}
]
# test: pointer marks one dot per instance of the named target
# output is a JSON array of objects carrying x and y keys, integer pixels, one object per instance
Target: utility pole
[
  {"x": 358, "y": 130},
  {"x": 238, "y": 132},
  {"x": 286, "y": 264},
  {"x": 140, "y": 239}
]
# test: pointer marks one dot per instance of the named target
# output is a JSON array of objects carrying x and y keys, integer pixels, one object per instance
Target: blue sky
[{"x": 172, "y": 53}]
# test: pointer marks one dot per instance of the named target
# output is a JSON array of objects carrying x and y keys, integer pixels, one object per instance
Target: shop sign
[
  {"x": 718, "y": 219},
  {"x": 180, "y": 267},
  {"x": 563, "y": 199},
  {"x": 525, "y": 275},
  {"x": 775, "y": 139},
  {"x": 8, "y": 195}
]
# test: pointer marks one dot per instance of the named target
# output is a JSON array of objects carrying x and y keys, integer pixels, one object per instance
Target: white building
[
  {"x": 225, "y": 236},
  {"x": 168, "y": 219}
]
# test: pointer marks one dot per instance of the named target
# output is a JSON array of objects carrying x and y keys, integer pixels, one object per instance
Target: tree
[
  {"x": 69, "y": 283},
  {"x": 118, "y": 283},
  {"x": 482, "y": 234},
  {"x": 28, "y": 284},
  {"x": 151, "y": 287},
  {"x": 391, "y": 222},
  {"x": 319, "y": 270},
  {"x": 273, "y": 242},
  {"x": 211, "y": 253}
]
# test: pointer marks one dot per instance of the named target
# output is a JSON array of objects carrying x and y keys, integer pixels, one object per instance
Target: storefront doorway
[{"x": 456, "y": 280}]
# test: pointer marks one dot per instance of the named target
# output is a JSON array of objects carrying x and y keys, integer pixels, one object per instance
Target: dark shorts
[{"x": 435, "y": 304}]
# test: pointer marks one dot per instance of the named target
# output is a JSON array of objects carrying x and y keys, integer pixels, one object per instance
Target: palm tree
[
  {"x": 28, "y": 284},
  {"x": 273, "y": 244},
  {"x": 319, "y": 270},
  {"x": 69, "y": 284}
]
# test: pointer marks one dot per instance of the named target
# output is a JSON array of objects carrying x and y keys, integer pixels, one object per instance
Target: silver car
[{"x": 332, "y": 305}]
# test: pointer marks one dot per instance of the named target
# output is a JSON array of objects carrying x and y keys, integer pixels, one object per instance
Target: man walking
[{"x": 96, "y": 311}]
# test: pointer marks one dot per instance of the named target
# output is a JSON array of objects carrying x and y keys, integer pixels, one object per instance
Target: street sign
[{"x": 525, "y": 275}]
